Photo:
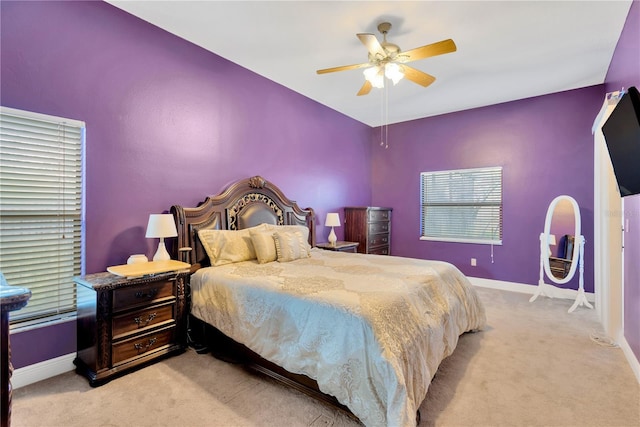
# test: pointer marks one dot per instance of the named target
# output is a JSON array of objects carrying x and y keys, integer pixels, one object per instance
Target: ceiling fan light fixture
[
  {"x": 375, "y": 75},
  {"x": 393, "y": 72}
]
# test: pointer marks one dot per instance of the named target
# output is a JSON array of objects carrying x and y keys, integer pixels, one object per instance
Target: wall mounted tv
[{"x": 622, "y": 134}]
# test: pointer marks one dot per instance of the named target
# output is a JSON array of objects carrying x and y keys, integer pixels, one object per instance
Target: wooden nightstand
[
  {"x": 340, "y": 246},
  {"x": 124, "y": 323}
]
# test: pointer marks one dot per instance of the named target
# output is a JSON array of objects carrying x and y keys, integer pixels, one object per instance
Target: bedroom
[{"x": 160, "y": 91}]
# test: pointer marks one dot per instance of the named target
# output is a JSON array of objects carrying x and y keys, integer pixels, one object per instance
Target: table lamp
[
  {"x": 161, "y": 226},
  {"x": 333, "y": 220}
]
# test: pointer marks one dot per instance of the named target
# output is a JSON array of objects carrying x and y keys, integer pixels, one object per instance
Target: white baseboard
[
  {"x": 528, "y": 289},
  {"x": 631, "y": 358},
  {"x": 43, "y": 370}
]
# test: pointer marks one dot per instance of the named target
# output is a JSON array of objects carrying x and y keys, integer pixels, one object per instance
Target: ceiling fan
[{"x": 386, "y": 59}]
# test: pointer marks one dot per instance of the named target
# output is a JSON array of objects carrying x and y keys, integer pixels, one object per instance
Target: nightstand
[
  {"x": 340, "y": 246},
  {"x": 124, "y": 323}
]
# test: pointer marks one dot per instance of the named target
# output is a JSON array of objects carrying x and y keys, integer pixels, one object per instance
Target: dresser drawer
[
  {"x": 378, "y": 227},
  {"x": 378, "y": 240},
  {"x": 123, "y": 351},
  {"x": 133, "y": 296},
  {"x": 380, "y": 250},
  {"x": 141, "y": 320},
  {"x": 379, "y": 215}
]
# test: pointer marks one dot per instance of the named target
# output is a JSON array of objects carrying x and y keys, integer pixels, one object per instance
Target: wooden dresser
[
  {"x": 11, "y": 298},
  {"x": 370, "y": 227},
  {"x": 124, "y": 323}
]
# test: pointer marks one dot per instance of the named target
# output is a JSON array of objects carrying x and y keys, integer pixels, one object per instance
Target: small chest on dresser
[
  {"x": 370, "y": 227},
  {"x": 124, "y": 323}
]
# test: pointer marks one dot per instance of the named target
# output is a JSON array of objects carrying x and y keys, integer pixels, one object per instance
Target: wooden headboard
[{"x": 243, "y": 204}]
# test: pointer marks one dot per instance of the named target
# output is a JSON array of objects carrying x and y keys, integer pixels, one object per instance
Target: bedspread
[{"x": 370, "y": 329}]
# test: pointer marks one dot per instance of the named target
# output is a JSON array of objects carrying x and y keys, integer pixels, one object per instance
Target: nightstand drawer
[
  {"x": 133, "y": 296},
  {"x": 125, "y": 350},
  {"x": 143, "y": 319}
]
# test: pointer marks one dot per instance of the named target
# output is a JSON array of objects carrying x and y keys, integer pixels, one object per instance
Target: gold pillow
[
  {"x": 291, "y": 245},
  {"x": 264, "y": 245},
  {"x": 228, "y": 246},
  {"x": 301, "y": 228}
]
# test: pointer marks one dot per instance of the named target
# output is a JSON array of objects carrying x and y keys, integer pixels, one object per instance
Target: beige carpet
[{"x": 534, "y": 365}]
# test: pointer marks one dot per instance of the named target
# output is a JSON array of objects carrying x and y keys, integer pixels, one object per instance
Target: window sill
[{"x": 29, "y": 325}]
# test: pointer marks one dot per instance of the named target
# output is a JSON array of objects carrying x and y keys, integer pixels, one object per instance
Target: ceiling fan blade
[
  {"x": 434, "y": 49},
  {"x": 366, "y": 88},
  {"x": 417, "y": 76},
  {"x": 373, "y": 45},
  {"x": 342, "y": 68}
]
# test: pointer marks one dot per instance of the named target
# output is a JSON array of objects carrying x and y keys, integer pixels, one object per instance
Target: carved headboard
[{"x": 243, "y": 204}]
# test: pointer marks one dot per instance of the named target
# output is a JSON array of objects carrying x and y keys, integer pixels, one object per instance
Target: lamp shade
[
  {"x": 333, "y": 220},
  {"x": 161, "y": 225}
]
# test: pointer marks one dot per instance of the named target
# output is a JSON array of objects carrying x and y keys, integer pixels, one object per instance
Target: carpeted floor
[{"x": 534, "y": 365}]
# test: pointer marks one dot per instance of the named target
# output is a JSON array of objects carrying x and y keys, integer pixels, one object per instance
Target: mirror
[
  {"x": 562, "y": 248},
  {"x": 561, "y": 226}
]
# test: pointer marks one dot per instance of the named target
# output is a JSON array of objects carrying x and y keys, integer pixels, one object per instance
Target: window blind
[
  {"x": 462, "y": 205},
  {"x": 41, "y": 205}
]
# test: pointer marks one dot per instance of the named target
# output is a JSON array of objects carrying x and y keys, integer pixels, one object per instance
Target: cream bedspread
[{"x": 371, "y": 330}]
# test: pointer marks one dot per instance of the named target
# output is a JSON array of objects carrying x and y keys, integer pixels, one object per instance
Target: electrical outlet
[{"x": 473, "y": 262}]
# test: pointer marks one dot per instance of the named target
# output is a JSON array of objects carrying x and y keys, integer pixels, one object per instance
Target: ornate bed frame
[{"x": 243, "y": 204}]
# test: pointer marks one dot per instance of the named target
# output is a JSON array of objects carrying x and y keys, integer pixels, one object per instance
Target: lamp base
[
  {"x": 332, "y": 238},
  {"x": 161, "y": 253}
]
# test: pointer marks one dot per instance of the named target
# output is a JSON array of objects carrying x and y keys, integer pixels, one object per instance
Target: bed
[{"x": 365, "y": 333}]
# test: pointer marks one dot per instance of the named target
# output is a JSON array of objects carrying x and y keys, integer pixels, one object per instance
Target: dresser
[
  {"x": 11, "y": 298},
  {"x": 370, "y": 227},
  {"x": 124, "y": 323}
]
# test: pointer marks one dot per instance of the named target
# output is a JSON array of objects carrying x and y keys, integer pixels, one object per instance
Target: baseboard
[
  {"x": 631, "y": 358},
  {"x": 43, "y": 370},
  {"x": 528, "y": 289}
]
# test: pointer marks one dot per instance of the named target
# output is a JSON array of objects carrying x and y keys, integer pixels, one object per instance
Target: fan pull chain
[{"x": 384, "y": 116}]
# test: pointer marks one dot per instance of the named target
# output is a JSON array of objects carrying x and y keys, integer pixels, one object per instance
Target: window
[
  {"x": 41, "y": 206},
  {"x": 462, "y": 205}
]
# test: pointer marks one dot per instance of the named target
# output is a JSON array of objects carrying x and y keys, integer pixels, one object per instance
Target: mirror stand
[
  {"x": 581, "y": 298},
  {"x": 576, "y": 256},
  {"x": 541, "y": 284}
]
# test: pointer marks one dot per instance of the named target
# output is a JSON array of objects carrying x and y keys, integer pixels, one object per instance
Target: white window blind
[
  {"x": 462, "y": 205},
  {"x": 41, "y": 207}
]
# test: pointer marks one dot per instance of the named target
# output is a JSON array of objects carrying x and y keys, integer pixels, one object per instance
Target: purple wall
[
  {"x": 545, "y": 147},
  {"x": 624, "y": 71},
  {"x": 167, "y": 123}
]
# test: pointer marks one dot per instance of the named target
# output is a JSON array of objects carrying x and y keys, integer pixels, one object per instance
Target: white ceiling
[{"x": 507, "y": 50}]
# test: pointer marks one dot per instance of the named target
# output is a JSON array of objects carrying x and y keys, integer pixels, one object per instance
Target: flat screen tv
[{"x": 622, "y": 135}]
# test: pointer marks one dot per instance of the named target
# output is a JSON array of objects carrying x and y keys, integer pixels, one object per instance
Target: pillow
[
  {"x": 264, "y": 245},
  {"x": 291, "y": 245},
  {"x": 228, "y": 246},
  {"x": 301, "y": 228}
]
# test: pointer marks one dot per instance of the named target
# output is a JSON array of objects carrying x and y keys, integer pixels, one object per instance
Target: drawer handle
[
  {"x": 151, "y": 294},
  {"x": 143, "y": 347},
  {"x": 140, "y": 322}
]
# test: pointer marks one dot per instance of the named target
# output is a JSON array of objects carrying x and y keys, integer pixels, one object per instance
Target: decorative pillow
[
  {"x": 228, "y": 246},
  {"x": 264, "y": 245},
  {"x": 301, "y": 228},
  {"x": 291, "y": 245}
]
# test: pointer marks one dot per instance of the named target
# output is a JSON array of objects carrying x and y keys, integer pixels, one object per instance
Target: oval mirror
[{"x": 561, "y": 239}]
